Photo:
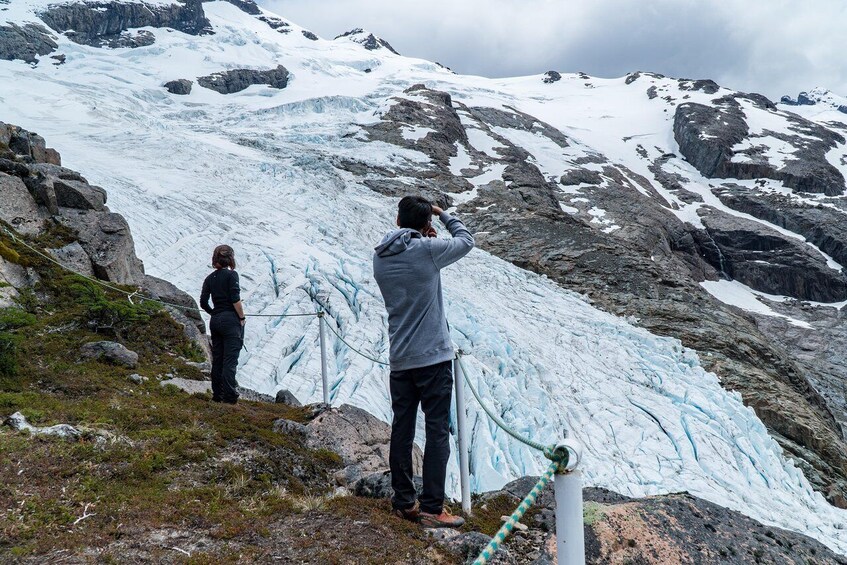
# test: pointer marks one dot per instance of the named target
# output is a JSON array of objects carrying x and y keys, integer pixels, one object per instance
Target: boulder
[
  {"x": 378, "y": 485},
  {"x": 137, "y": 379},
  {"x": 188, "y": 385},
  {"x": 180, "y": 86},
  {"x": 25, "y": 146},
  {"x": 286, "y": 397},
  {"x": 78, "y": 194},
  {"x": 359, "y": 438},
  {"x": 107, "y": 240},
  {"x": 19, "y": 208},
  {"x": 289, "y": 427},
  {"x": 74, "y": 258},
  {"x": 25, "y": 43},
  {"x": 236, "y": 80},
  {"x": 17, "y": 421},
  {"x": 111, "y": 352}
]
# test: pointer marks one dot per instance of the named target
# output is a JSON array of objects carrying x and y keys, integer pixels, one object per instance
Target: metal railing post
[
  {"x": 570, "y": 536},
  {"x": 462, "y": 430},
  {"x": 324, "y": 378}
]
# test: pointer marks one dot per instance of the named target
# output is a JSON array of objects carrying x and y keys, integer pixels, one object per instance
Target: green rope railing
[{"x": 507, "y": 528}]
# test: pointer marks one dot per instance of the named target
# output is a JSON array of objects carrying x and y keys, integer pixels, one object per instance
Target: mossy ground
[{"x": 182, "y": 474}]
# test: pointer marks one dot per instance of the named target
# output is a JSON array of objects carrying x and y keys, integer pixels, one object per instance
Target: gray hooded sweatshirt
[{"x": 407, "y": 268}]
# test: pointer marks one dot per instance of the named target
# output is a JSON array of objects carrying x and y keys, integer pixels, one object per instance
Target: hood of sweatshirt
[{"x": 396, "y": 242}]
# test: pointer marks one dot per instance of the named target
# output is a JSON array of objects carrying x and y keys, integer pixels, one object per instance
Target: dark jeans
[
  {"x": 432, "y": 388},
  {"x": 227, "y": 339}
]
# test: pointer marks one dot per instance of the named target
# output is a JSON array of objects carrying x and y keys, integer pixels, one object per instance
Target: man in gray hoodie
[{"x": 407, "y": 268}]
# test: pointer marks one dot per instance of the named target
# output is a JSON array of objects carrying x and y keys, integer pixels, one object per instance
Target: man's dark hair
[{"x": 414, "y": 212}]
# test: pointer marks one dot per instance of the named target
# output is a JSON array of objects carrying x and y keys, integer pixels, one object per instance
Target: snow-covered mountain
[{"x": 615, "y": 218}]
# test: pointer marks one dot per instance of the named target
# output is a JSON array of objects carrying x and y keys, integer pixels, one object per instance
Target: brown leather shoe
[
  {"x": 443, "y": 520},
  {"x": 412, "y": 514}
]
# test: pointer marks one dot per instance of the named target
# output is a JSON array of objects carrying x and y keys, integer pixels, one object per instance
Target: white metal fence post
[
  {"x": 462, "y": 430},
  {"x": 324, "y": 378},
  {"x": 570, "y": 536}
]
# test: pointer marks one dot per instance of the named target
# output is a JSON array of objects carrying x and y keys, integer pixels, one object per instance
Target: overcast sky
[{"x": 774, "y": 47}]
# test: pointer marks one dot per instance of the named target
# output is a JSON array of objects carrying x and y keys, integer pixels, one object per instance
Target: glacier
[{"x": 256, "y": 170}]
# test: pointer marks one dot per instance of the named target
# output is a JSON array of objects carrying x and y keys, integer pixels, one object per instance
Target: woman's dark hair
[
  {"x": 223, "y": 257},
  {"x": 414, "y": 212}
]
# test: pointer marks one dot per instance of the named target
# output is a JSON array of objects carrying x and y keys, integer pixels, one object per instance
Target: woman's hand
[{"x": 436, "y": 211}]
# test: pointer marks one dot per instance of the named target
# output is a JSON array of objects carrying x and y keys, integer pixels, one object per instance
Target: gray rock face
[
  {"x": 111, "y": 352},
  {"x": 180, "y": 86},
  {"x": 80, "y": 195},
  {"x": 19, "y": 208},
  {"x": 107, "y": 241},
  {"x": 284, "y": 426},
  {"x": 287, "y": 398},
  {"x": 309, "y": 35},
  {"x": 106, "y": 24},
  {"x": 37, "y": 189},
  {"x": 236, "y": 80},
  {"x": 368, "y": 40},
  {"x": 25, "y": 43},
  {"x": 359, "y": 438},
  {"x": 649, "y": 530},
  {"x": 25, "y": 146},
  {"x": 770, "y": 262},
  {"x": 707, "y": 136},
  {"x": 74, "y": 258}
]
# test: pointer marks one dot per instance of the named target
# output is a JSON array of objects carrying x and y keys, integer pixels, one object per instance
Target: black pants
[
  {"x": 227, "y": 339},
  {"x": 432, "y": 388}
]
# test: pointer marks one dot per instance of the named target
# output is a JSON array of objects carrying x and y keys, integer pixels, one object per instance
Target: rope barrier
[
  {"x": 507, "y": 528},
  {"x": 135, "y": 294},
  {"x": 365, "y": 355},
  {"x": 558, "y": 455}
]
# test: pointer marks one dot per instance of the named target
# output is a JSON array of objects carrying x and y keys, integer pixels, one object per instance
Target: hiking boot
[
  {"x": 443, "y": 520},
  {"x": 412, "y": 514}
]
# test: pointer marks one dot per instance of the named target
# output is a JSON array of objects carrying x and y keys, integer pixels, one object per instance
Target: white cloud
[{"x": 771, "y": 46}]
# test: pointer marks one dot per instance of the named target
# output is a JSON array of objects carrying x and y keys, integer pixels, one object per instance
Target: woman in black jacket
[{"x": 227, "y": 323}]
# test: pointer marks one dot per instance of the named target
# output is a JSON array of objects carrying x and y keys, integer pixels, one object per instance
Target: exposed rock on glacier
[
  {"x": 236, "y": 80},
  {"x": 107, "y": 24},
  {"x": 366, "y": 39},
  {"x": 26, "y": 42}
]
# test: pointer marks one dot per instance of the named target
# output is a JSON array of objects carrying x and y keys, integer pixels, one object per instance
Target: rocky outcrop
[
  {"x": 368, "y": 40},
  {"x": 309, "y": 35},
  {"x": 39, "y": 193},
  {"x": 769, "y": 261},
  {"x": 673, "y": 528},
  {"x": 180, "y": 86},
  {"x": 107, "y": 24},
  {"x": 640, "y": 261},
  {"x": 551, "y": 76},
  {"x": 25, "y": 43},
  {"x": 709, "y": 138},
  {"x": 236, "y": 80},
  {"x": 358, "y": 437}
]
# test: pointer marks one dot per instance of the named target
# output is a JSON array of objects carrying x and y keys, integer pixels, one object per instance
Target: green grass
[{"x": 175, "y": 460}]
